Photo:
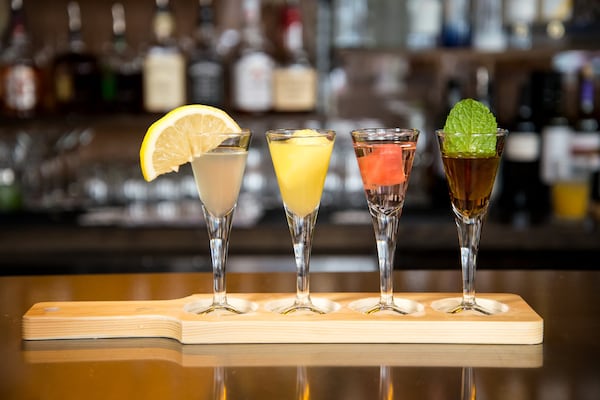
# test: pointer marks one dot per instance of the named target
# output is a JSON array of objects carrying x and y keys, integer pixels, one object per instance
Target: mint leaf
[{"x": 470, "y": 128}]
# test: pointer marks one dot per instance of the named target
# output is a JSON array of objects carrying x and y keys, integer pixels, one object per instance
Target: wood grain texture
[{"x": 520, "y": 324}]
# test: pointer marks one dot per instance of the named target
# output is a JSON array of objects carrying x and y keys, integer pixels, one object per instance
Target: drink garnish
[
  {"x": 166, "y": 145},
  {"x": 383, "y": 166},
  {"x": 314, "y": 137},
  {"x": 470, "y": 129}
]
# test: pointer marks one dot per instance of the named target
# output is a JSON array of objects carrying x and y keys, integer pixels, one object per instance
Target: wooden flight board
[{"x": 517, "y": 323}]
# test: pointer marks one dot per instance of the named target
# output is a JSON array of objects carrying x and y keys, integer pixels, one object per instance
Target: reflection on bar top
[{"x": 262, "y": 355}]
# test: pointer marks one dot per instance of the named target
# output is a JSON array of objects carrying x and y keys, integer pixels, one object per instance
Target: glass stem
[
  {"x": 218, "y": 233},
  {"x": 220, "y": 390},
  {"x": 386, "y": 385},
  {"x": 302, "y": 384},
  {"x": 386, "y": 232},
  {"x": 301, "y": 229},
  {"x": 469, "y": 233},
  {"x": 468, "y": 389}
]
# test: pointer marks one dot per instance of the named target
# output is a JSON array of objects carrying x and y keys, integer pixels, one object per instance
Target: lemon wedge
[{"x": 166, "y": 145}]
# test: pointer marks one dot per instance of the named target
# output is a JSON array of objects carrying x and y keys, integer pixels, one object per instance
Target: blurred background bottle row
[
  {"x": 240, "y": 67},
  {"x": 79, "y": 77},
  {"x": 255, "y": 49}
]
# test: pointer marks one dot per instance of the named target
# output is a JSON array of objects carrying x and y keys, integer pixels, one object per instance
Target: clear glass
[
  {"x": 218, "y": 173},
  {"x": 470, "y": 178},
  {"x": 385, "y": 158},
  {"x": 301, "y": 160}
]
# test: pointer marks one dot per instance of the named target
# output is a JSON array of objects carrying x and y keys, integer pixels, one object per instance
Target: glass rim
[
  {"x": 241, "y": 132},
  {"x": 382, "y": 133},
  {"x": 499, "y": 132},
  {"x": 288, "y": 132}
]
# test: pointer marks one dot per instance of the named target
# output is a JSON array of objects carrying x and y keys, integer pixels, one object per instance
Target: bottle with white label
[
  {"x": 252, "y": 72},
  {"x": 164, "y": 65},
  {"x": 294, "y": 79},
  {"x": 20, "y": 85}
]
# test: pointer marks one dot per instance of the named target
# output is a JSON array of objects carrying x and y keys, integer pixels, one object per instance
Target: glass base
[
  {"x": 315, "y": 306},
  {"x": 479, "y": 307},
  {"x": 375, "y": 306},
  {"x": 232, "y": 306}
]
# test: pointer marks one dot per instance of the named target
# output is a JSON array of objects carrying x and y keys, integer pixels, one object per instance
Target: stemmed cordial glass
[
  {"x": 470, "y": 177},
  {"x": 218, "y": 174},
  {"x": 301, "y": 160},
  {"x": 385, "y": 158}
]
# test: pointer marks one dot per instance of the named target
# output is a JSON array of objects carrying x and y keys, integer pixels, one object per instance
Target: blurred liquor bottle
[
  {"x": 520, "y": 16},
  {"x": 555, "y": 14},
  {"x": 556, "y": 132},
  {"x": 456, "y": 23},
  {"x": 425, "y": 23},
  {"x": 488, "y": 27},
  {"x": 164, "y": 83},
  {"x": 20, "y": 75},
  {"x": 524, "y": 199},
  {"x": 205, "y": 70},
  {"x": 587, "y": 120},
  {"x": 586, "y": 145},
  {"x": 252, "y": 72},
  {"x": 77, "y": 85},
  {"x": 295, "y": 78},
  {"x": 121, "y": 69}
]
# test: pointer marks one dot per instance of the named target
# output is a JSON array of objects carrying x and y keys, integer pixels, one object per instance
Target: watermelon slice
[{"x": 383, "y": 166}]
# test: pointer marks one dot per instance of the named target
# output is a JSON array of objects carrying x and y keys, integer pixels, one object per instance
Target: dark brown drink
[{"x": 470, "y": 183}]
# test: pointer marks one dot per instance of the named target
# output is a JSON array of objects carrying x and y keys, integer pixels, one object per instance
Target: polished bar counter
[{"x": 564, "y": 366}]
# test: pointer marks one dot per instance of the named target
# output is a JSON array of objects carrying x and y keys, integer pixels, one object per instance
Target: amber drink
[{"x": 470, "y": 182}]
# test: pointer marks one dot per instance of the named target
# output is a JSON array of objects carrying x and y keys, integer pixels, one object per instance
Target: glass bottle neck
[
  {"x": 252, "y": 33},
  {"x": 205, "y": 30},
  {"x": 17, "y": 34},
  {"x": 76, "y": 43},
  {"x": 163, "y": 26},
  {"x": 292, "y": 30},
  {"x": 118, "y": 27}
]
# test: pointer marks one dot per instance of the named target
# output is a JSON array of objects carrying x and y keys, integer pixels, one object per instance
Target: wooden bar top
[{"x": 564, "y": 366}]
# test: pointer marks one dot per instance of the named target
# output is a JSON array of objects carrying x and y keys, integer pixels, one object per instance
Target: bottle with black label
[
  {"x": 205, "y": 69},
  {"x": 121, "y": 69},
  {"x": 77, "y": 83}
]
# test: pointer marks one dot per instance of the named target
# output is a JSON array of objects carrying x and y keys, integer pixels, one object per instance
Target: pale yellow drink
[
  {"x": 218, "y": 176},
  {"x": 301, "y": 164}
]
